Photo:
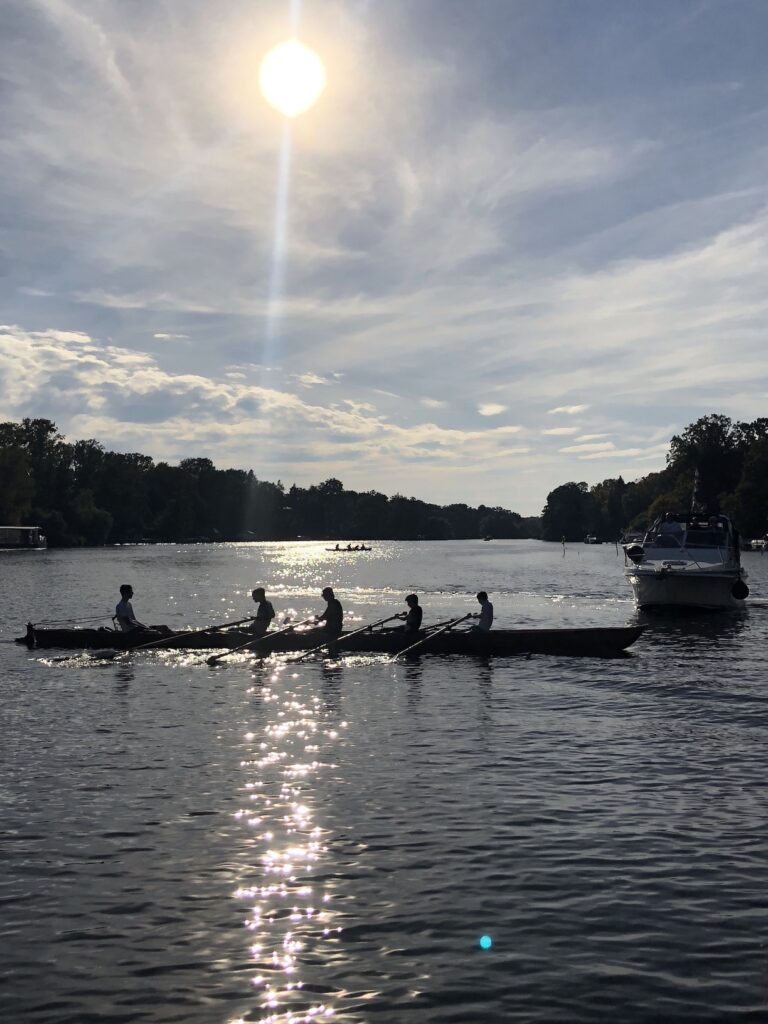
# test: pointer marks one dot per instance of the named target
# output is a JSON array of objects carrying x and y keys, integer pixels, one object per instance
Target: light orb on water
[{"x": 291, "y": 78}]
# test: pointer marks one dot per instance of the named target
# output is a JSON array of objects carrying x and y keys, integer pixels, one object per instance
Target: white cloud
[
  {"x": 558, "y": 431},
  {"x": 596, "y": 446},
  {"x": 655, "y": 453},
  {"x": 169, "y": 337},
  {"x": 591, "y": 437},
  {"x": 431, "y": 403},
  {"x": 568, "y": 410},
  {"x": 310, "y": 380},
  {"x": 491, "y": 408},
  {"x": 359, "y": 406}
]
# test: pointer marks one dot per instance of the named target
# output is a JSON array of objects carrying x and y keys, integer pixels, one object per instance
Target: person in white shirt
[
  {"x": 126, "y": 620},
  {"x": 486, "y": 613}
]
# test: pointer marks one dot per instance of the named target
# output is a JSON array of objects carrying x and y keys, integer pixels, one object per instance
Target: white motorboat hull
[{"x": 667, "y": 588}]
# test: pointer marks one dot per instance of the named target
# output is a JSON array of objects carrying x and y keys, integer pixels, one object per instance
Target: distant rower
[
  {"x": 264, "y": 611},
  {"x": 126, "y": 620},
  {"x": 333, "y": 616}
]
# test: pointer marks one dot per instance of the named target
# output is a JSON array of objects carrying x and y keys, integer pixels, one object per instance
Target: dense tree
[
  {"x": 607, "y": 510},
  {"x": 17, "y": 485},
  {"x": 568, "y": 513},
  {"x": 82, "y": 494},
  {"x": 713, "y": 447},
  {"x": 727, "y": 461},
  {"x": 749, "y": 504}
]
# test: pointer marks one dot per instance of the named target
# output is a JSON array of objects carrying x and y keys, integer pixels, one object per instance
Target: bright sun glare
[{"x": 291, "y": 77}]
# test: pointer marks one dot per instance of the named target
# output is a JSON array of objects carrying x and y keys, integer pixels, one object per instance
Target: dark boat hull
[{"x": 586, "y": 642}]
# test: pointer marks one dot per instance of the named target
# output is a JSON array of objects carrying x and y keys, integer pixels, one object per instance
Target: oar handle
[
  {"x": 256, "y": 640},
  {"x": 343, "y": 639},
  {"x": 434, "y": 633},
  {"x": 194, "y": 632}
]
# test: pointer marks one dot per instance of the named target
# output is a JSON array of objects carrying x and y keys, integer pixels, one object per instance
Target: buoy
[{"x": 740, "y": 590}]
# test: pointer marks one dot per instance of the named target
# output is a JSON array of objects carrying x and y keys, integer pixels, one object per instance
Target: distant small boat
[
  {"x": 349, "y": 551},
  {"x": 592, "y": 539},
  {"x": 22, "y": 538}
]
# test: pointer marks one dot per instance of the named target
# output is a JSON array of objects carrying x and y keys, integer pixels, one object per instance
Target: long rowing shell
[{"x": 595, "y": 641}]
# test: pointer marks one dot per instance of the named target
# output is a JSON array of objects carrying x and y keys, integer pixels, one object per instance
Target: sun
[{"x": 291, "y": 77}]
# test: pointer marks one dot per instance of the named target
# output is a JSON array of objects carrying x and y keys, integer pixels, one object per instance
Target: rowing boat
[{"x": 600, "y": 641}]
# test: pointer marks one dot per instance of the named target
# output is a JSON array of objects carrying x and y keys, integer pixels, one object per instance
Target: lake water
[{"x": 330, "y": 841}]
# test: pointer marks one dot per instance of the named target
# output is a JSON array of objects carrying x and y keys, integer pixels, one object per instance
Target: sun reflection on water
[{"x": 289, "y": 917}]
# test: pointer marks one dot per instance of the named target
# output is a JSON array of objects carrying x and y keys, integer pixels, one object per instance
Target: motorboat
[
  {"x": 687, "y": 560},
  {"x": 22, "y": 538}
]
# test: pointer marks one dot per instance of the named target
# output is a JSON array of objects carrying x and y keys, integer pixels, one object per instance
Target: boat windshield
[
  {"x": 665, "y": 540},
  {"x": 706, "y": 539}
]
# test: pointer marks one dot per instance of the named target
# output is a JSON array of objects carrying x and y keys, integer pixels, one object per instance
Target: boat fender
[
  {"x": 740, "y": 590},
  {"x": 635, "y": 552}
]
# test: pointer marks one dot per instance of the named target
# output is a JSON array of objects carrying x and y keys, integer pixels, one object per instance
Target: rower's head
[
  {"x": 126, "y": 591},
  {"x": 482, "y": 596},
  {"x": 328, "y": 594},
  {"x": 259, "y": 594},
  {"x": 412, "y": 600}
]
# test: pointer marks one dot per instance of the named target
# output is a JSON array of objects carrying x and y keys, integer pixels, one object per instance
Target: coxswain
[
  {"x": 412, "y": 616},
  {"x": 126, "y": 620},
  {"x": 333, "y": 616},
  {"x": 486, "y": 613},
  {"x": 264, "y": 612}
]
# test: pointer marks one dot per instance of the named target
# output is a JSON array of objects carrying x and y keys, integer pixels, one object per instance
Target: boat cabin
[
  {"x": 22, "y": 538},
  {"x": 688, "y": 532}
]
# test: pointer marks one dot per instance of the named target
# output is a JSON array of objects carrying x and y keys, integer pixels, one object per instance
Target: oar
[
  {"x": 113, "y": 655},
  {"x": 433, "y": 633},
  {"x": 256, "y": 640},
  {"x": 342, "y": 639}
]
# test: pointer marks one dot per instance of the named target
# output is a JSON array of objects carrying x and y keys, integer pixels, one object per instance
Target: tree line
[
  {"x": 82, "y": 494},
  {"x": 726, "y": 461}
]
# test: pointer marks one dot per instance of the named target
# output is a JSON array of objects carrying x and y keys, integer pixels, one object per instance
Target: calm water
[{"x": 262, "y": 842}]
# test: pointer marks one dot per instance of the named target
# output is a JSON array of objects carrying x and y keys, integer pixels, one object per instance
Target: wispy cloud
[
  {"x": 491, "y": 408},
  {"x": 595, "y": 446},
  {"x": 568, "y": 410}
]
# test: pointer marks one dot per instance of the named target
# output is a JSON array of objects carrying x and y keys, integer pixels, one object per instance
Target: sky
[{"x": 514, "y": 244}]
